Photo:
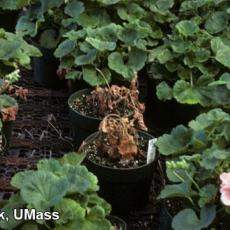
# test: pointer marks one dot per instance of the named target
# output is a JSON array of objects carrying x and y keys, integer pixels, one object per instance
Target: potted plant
[
  {"x": 88, "y": 107},
  {"x": 117, "y": 155},
  {"x": 62, "y": 189},
  {"x": 190, "y": 56},
  {"x": 42, "y": 24},
  {"x": 9, "y": 13},
  {"x": 197, "y": 170},
  {"x": 15, "y": 53},
  {"x": 112, "y": 39}
]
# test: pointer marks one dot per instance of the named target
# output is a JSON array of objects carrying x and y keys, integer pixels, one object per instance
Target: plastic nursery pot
[
  {"x": 45, "y": 69},
  {"x": 82, "y": 126},
  {"x": 126, "y": 189},
  {"x": 171, "y": 112},
  {"x": 6, "y": 133},
  {"x": 117, "y": 222},
  {"x": 8, "y": 20}
]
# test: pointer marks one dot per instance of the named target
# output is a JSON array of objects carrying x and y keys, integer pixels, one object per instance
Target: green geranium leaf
[
  {"x": 15, "y": 202},
  {"x": 188, "y": 218},
  {"x": 187, "y": 28},
  {"x": 64, "y": 48},
  {"x": 86, "y": 59},
  {"x": 73, "y": 158},
  {"x": 207, "y": 194},
  {"x": 25, "y": 27},
  {"x": 213, "y": 157},
  {"x": 74, "y": 8},
  {"x": 94, "y": 77},
  {"x": 176, "y": 190},
  {"x": 75, "y": 35},
  {"x": 224, "y": 80},
  {"x": 93, "y": 18},
  {"x": 208, "y": 120},
  {"x": 39, "y": 196},
  {"x": 217, "y": 22},
  {"x": 164, "y": 91},
  {"x": 81, "y": 180},
  {"x": 175, "y": 143},
  {"x": 162, "y": 54},
  {"x": 100, "y": 44},
  {"x": 222, "y": 51},
  {"x": 131, "y": 13},
  {"x": 69, "y": 210},
  {"x": 49, "y": 39},
  {"x": 8, "y": 49},
  {"x": 73, "y": 75},
  {"x": 185, "y": 93},
  {"x": 116, "y": 63},
  {"x": 188, "y": 5},
  {"x": 96, "y": 200},
  {"x": 137, "y": 59}
]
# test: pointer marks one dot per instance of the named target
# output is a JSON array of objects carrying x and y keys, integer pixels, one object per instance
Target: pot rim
[
  {"x": 116, "y": 169},
  {"x": 76, "y": 95}
]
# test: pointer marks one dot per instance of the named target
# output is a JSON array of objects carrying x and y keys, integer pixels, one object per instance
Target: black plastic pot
[
  {"x": 8, "y": 20},
  {"x": 117, "y": 221},
  {"x": 6, "y": 135},
  {"x": 82, "y": 126},
  {"x": 125, "y": 189},
  {"x": 171, "y": 112},
  {"x": 45, "y": 69}
]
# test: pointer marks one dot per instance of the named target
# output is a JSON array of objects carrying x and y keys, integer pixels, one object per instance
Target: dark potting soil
[
  {"x": 173, "y": 206},
  {"x": 98, "y": 157},
  {"x": 85, "y": 107}
]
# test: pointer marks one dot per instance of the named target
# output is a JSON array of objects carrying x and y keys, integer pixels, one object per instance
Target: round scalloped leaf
[
  {"x": 74, "y": 8},
  {"x": 94, "y": 77},
  {"x": 187, "y": 28}
]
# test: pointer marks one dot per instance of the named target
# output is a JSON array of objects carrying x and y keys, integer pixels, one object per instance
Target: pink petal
[
  {"x": 225, "y": 178},
  {"x": 225, "y": 198}
]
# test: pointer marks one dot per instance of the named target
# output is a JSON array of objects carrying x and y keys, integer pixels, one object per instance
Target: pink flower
[{"x": 225, "y": 188}]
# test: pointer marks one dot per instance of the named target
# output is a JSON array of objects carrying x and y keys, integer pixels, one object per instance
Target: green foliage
[
  {"x": 197, "y": 155},
  {"x": 14, "y": 53},
  {"x": 42, "y": 20},
  {"x": 109, "y": 37},
  {"x": 193, "y": 51},
  {"x": 188, "y": 218},
  {"x": 63, "y": 186},
  {"x": 14, "y": 4}
]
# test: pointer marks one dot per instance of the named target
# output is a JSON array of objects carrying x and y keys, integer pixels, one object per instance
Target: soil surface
[
  {"x": 94, "y": 154},
  {"x": 83, "y": 105}
]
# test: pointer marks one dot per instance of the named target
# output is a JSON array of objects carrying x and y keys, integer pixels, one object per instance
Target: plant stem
[{"x": 193, "y": 181}]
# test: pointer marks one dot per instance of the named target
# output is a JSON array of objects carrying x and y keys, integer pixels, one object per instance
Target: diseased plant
[
  {"x": 121, "y": 137},
  {"x": 117, "y": 143},
  {"x": 191, "y": 61},
  {"x": 196, "y": 157},
  {"x": 114, "y": 100},
  {"x": 112, "y": 39},
  {"x": 64, "y": 186},
  {"x": 14, "y": 53}
]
